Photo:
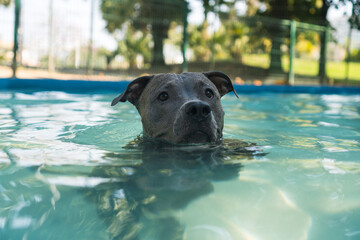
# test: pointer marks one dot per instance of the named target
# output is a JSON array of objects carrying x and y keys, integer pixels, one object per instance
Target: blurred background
[{"x": 307, "y": 42}]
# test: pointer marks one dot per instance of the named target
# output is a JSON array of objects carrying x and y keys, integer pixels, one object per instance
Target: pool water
[{"x": 70, "y": 169}]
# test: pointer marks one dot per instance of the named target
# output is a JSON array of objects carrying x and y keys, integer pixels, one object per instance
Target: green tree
[
  {"x": 5, "y": 2},
  {"x": 217, "y": 6},
  {"x": 109, "y": 56},
  {"x": 226, "y": 42},
  {"x": 199, "y": 41},
  {"x": 135, "y": 44},
  {"x": 306, "y": 42},
  {"x": 300, "y": 10},
  {"x": 310, "y": 11},
  {"x": 229, "y": 42},
  {"x": 145, "y": 15},
  {"x": 230, "y": 39},
  {"x": 355, "y": 55}
]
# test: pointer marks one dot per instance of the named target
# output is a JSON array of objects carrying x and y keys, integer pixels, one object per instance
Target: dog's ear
[
  {"x": 133, "y": 90},
  {"x": 222, "y": 82}
]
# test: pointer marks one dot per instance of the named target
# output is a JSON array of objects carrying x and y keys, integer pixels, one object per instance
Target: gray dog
[{"x": 180, "y": 108}]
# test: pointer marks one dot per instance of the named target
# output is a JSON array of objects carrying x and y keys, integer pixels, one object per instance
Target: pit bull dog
[{"x": 180, "y": 108}]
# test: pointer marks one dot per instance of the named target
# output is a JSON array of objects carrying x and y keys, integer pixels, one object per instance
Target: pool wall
[{"x": 81, "y": 86}]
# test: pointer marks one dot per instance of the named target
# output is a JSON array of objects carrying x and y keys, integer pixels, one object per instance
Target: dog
[{"x": 180, "y": 108}]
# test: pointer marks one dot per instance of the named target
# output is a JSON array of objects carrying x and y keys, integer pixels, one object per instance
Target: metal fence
[{"x": 123, "y": 39}]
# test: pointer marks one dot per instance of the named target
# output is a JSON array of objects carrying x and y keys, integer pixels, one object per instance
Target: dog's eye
[
  {"x": 209, "y": 93},
  {"x": 163, "y": 96}
]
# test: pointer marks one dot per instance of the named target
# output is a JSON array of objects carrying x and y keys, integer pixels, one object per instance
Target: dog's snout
[{"x": 198, "y": 110}]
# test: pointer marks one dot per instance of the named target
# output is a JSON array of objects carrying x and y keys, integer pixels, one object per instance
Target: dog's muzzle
[
  {"x": 198, "y": 110},
  {"x": 195, "y": 123}
]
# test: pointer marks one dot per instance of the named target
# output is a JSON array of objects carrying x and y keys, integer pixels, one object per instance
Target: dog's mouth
[
  {"x": 201, "y": 136},
  {"x": 193, "y": 137},
  {"x": 198, "y": 137}
]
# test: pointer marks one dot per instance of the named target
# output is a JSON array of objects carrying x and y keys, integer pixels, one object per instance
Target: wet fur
[{"x": 168, "y": 120}]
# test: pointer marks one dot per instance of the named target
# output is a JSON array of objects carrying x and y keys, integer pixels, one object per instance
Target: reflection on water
[
  {"x": 71, "y": 169},
  {"x": 144, "y": 199}
]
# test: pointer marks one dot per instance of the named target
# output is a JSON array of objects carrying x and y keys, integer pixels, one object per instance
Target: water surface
[{"x": 65, "y": 174}]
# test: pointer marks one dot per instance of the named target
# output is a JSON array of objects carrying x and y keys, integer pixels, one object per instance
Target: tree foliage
[
  {"x": 355, "y": 55},
  {"x": 310, "y": 11},
  {"x": 157, "y": 16},
  {"x": 135, "y": 45},
  {"x": 307, "y": 43},
  {"x": 354, "y": 18},
  {"x": 227, "y": 42},
  {"x": 5, "y": 2},
  {"x": 144, "y": 15},
  {"x": 216, "y": 6}
]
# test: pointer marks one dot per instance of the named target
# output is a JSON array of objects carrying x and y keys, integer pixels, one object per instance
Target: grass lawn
[
  {"x": 306, "y": 67},
  {"x": 337, "y": 70},
  {"x": 257, "y": 60}
]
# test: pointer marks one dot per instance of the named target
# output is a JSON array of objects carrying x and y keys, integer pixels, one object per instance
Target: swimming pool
[{"x": 65, "y": 172}]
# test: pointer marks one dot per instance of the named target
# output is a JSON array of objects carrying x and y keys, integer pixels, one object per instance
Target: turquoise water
[{"x": 65, "y": 174}]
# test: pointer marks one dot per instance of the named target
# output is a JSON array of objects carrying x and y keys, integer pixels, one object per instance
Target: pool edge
[{"x": 83, "y": 86}]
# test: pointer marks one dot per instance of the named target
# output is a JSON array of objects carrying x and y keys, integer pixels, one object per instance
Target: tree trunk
[
  {"x": 159, "y": 32},
  {"x": 275, "y": 54},
  {"x": 158, "y": 55},
  {"x": 322, "y": 60},
  {"x": 279, "y": 10}
]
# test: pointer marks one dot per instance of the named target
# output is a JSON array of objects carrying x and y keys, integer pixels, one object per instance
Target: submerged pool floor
[{"x": 65, "y": 174}]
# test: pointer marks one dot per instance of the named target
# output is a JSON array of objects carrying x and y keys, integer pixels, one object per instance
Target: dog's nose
[{"x": 198, "y": 110}]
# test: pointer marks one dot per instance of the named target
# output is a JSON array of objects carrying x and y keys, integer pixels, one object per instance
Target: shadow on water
[{"x": 143, "y": 199}]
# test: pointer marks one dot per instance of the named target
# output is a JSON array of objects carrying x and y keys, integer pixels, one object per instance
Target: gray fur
[{"x": 189, "y": 115}]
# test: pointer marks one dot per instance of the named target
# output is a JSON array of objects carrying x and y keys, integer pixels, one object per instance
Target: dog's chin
[{"x": 198, "y": 137}]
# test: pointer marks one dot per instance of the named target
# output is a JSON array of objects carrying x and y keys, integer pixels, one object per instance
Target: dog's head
[{"x": 180, "y": 108}]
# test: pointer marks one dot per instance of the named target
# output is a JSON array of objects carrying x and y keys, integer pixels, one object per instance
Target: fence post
[
  {"x": 327, "y": 39},
  {"x": 89, "y": 62},
  {"x": 291, "y": 80},
  {"x": 51, "y": 65},
  {"x": 348, "y": 55},
  {"x": 323, "y": 53},
  {"x": 16, "y": 34},
  {"x": 184, "y": 66}
]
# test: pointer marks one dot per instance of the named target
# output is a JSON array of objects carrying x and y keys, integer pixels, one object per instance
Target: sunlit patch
[
  {"x": 339, "y": 145},
  {"x": 299, "y": 142},
  {"x": 326, "y": 124},
  {"x": 310, "y": 109},
  {"x": 77, "y": 181},
  {"x": 241, "y": 114},
  {"x": 340, "y": 167},
  {"x": 2, "y": 222},
  {"x": 335, "y": 149},
  {"x": 5, "y": 111},
  {"x": 286, "y": 199},
  {"x": 340, "y": 98},
  {"x": 4, "y": 158},
  {"x": 331, "y": 167},
  {"x": 352, "y": 234},
  {"x": 298, "y": 121},
  {"x": 207, "y": 232},
  {"x": 21, "y": 222},
  {"x": 337, "y": 105},
  {"x": 119, "y": 194},
  {"x": 312, "y": 167}
]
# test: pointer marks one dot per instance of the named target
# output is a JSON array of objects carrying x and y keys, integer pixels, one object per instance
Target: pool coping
[{"x": 82, "y": 86}]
